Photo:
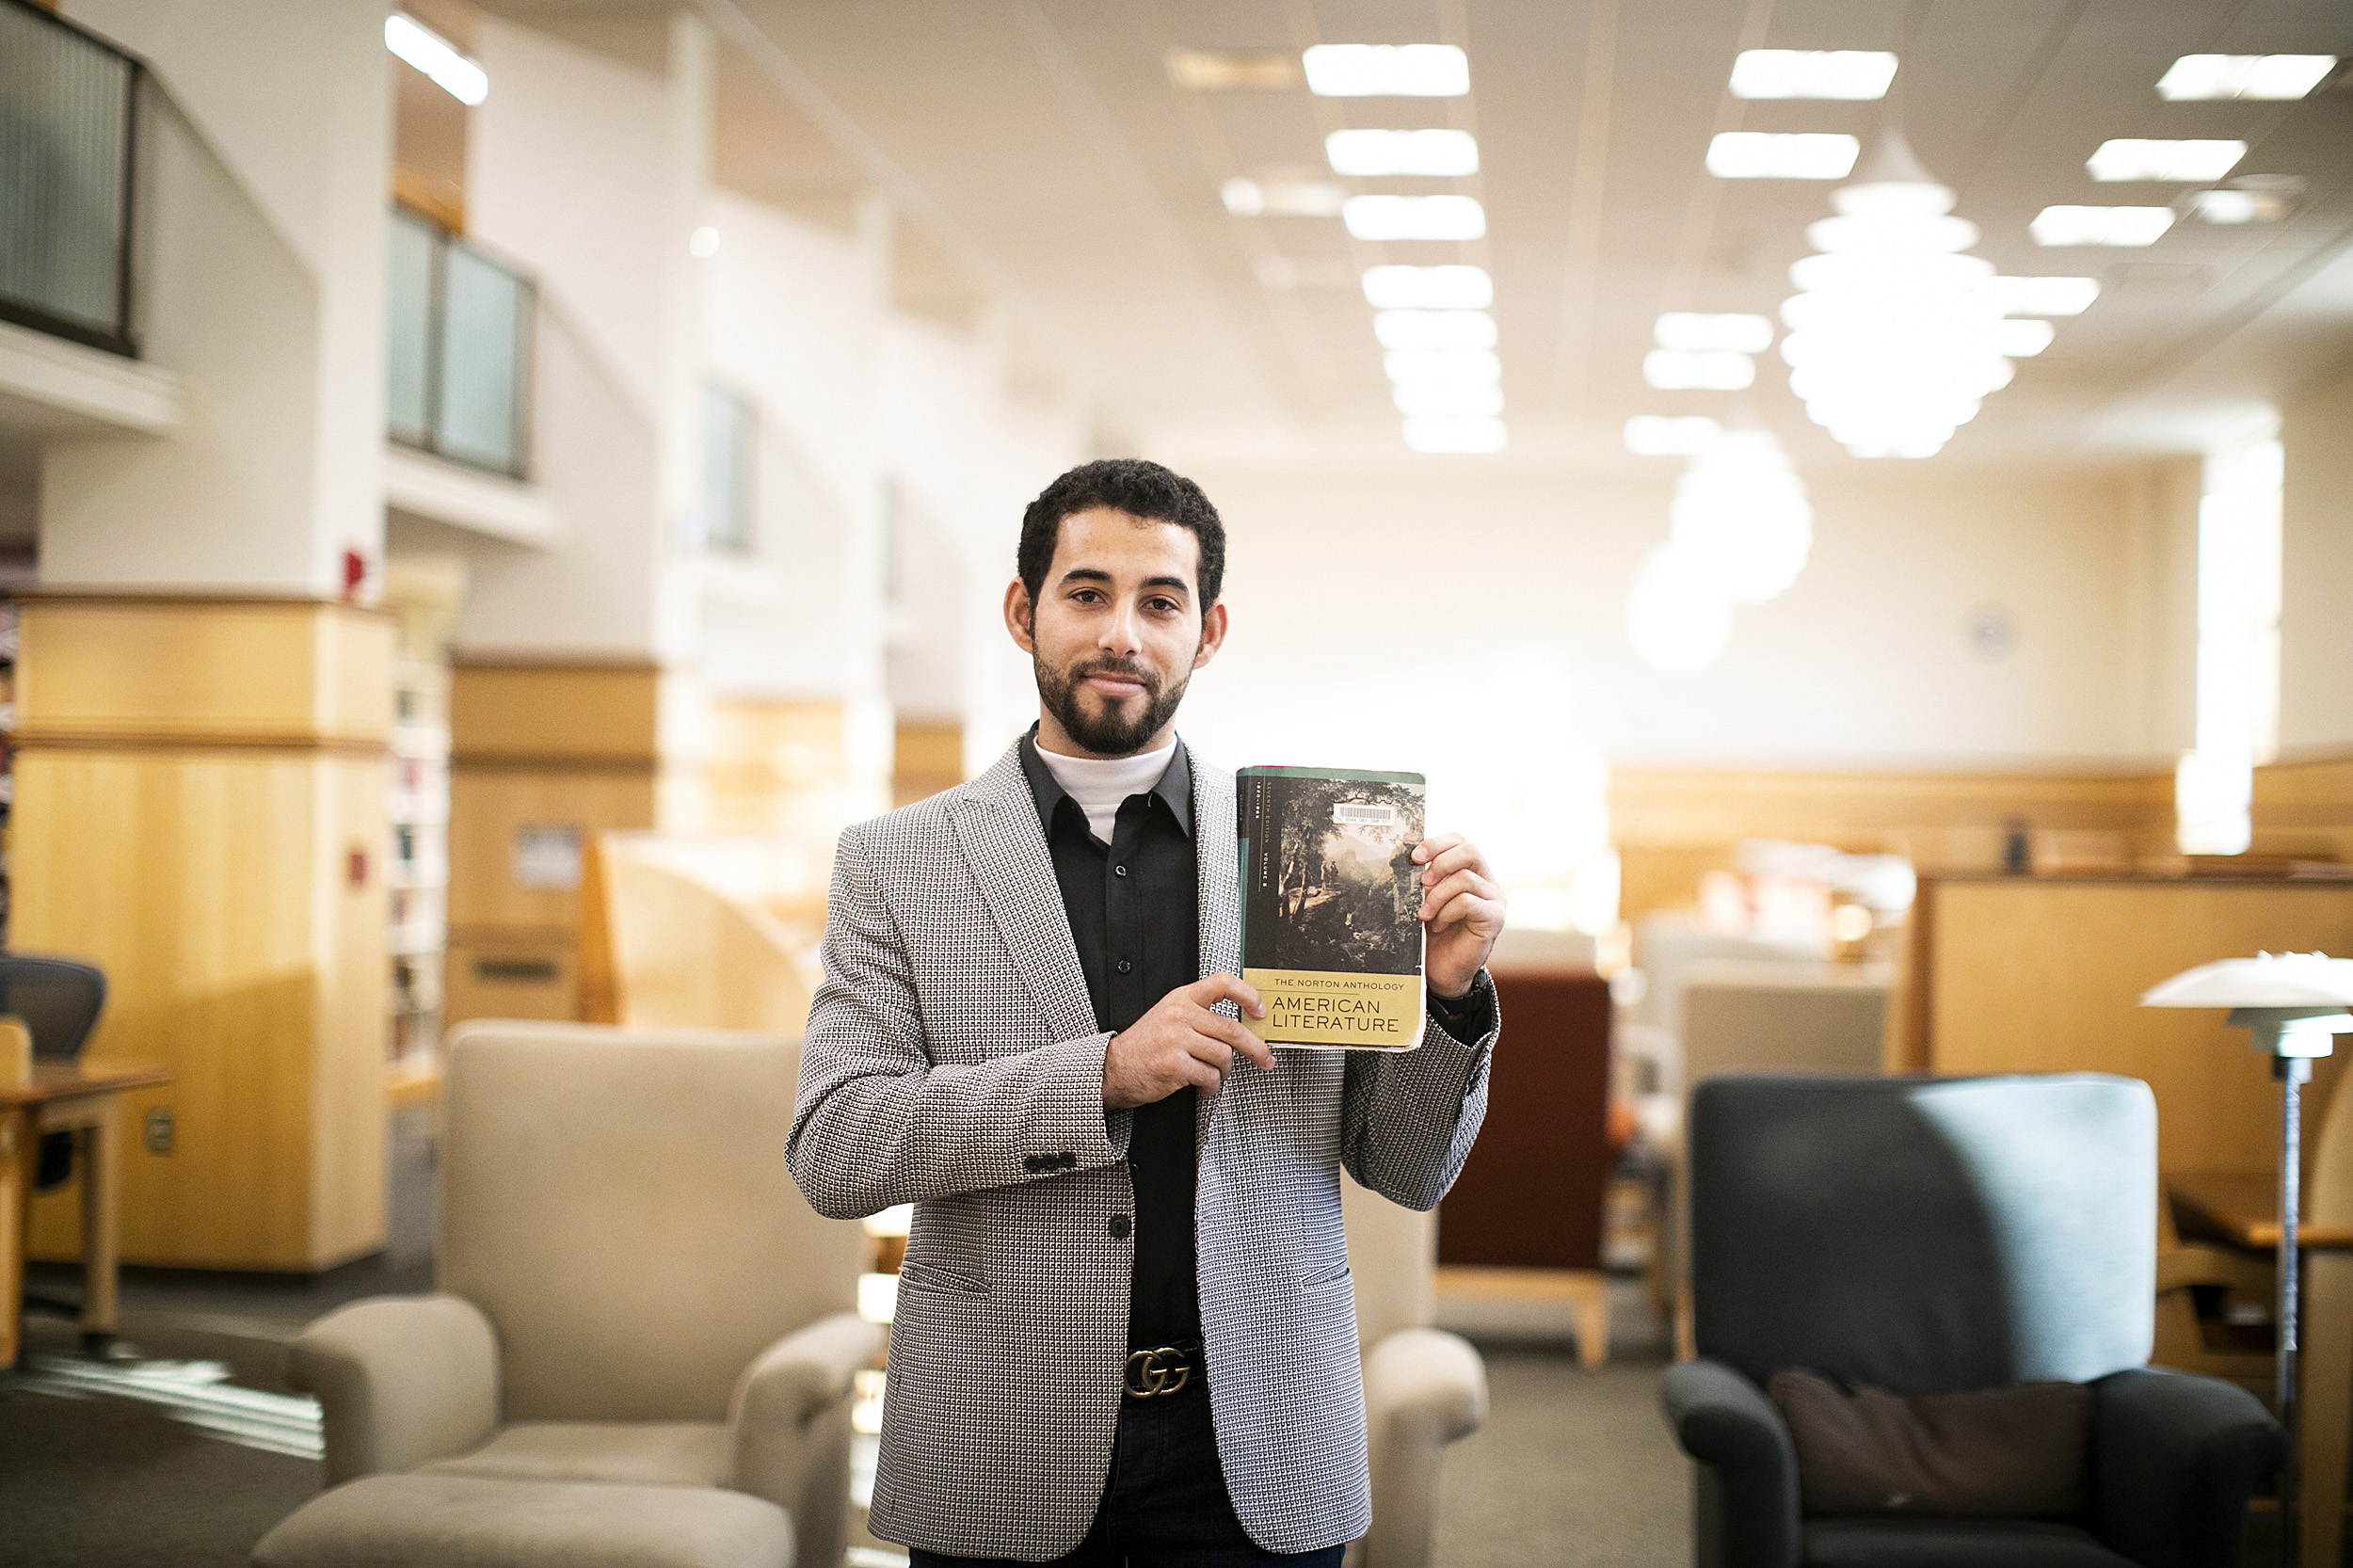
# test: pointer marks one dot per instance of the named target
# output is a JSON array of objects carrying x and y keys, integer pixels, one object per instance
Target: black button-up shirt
[{"x": 1134, "y": 906}]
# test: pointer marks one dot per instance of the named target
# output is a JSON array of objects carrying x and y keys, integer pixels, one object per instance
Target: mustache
[{"x": 1137, "y": 673}]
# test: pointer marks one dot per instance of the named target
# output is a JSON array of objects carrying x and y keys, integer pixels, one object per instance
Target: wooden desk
[
  {"x": 2243, "y": 1210},
  {"x": 65, "y": 1097}
]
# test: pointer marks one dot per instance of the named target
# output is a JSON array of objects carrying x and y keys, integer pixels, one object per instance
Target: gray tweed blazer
[{"x": 952, "y": 1061}]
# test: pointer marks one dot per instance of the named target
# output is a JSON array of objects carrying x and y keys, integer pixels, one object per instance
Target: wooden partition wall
[
  {"x": 2045, "y": 974},
  {"x": 199, "y": 812}
]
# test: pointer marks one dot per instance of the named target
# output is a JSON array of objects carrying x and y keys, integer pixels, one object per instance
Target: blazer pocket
[
  {"x": 923, "y": 1276},
  {"x": 1326, "y": 1282}
]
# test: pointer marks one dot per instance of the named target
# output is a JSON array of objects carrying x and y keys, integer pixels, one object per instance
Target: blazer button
[
  {"x": 1125, "y": 965},
  {"x": 1121, "y": 1225}
]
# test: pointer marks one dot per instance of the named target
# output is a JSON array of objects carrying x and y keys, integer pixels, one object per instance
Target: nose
[{"x": 1121, "y": 632}]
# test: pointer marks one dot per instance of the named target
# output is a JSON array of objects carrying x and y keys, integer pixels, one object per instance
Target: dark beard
[{"x": 1106, "y": 734}]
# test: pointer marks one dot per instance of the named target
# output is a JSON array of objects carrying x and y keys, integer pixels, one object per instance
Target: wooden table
[
  {"x": 65, "y": 1097},
  {"x": 2244, "y": 1211}
]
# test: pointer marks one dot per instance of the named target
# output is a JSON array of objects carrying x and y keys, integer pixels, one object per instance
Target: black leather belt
[{"x": 1157, "y": 1375}]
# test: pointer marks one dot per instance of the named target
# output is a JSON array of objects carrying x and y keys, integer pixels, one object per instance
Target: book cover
[{"x": 1331, "y": 937}]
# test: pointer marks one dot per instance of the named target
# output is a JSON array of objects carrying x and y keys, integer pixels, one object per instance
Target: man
[{"x": 1125, "y": 1328}]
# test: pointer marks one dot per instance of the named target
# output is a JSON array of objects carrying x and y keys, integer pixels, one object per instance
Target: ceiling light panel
[
  {"x": 1683, "y": 370},
  {"x": 1429, "y": 288},
  {"x": 1246, "y": 197},
  {"x": 1386, "y": 70},
  {"x": 429, "y": 52},
  {"x": 2269, "y": 76},
  {"x": 1850, "y": 75},
  {"x": 1473, "y": 434},
  {"x": 1434, "y": 329},
  {"x": 1435, "y": 398},
  {"x": 1659, "y": 436},
  {"x": 1452, "y": 367},
  {"x": 1741, "y": 334},
  {"x": 2240, "y": 206},
  {"x": 1371, "y": 155},
  {"x": 2134, "y": 159},
  {"x": 1770, "y": 155},
  {"x": 2021, "y": 339},
  {"x": 2118, "y": 226},
  {"x": 2044, "y": 297},
  {"x": 1225, "y": 71},
  {"x": 1414, "y": 218}
]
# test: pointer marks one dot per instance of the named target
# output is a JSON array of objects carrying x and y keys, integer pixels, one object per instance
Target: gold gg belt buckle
[{"x": 1150, "y": 1374}]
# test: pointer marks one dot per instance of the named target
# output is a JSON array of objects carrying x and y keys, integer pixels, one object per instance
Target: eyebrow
[{"x": 1097, "y": 574}]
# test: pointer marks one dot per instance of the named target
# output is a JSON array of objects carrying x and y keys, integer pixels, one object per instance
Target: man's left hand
[{"x": 1462, "y": 912}]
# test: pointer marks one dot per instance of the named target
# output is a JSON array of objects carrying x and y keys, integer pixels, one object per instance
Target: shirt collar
[{"x": 1175, "y": 788}]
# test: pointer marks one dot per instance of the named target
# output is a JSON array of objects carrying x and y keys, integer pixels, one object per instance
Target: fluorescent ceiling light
[
  {"x": 1217, "y": 71},
  {"x": 1434, "y": 329},
  {"x": 1429, "y": 288},
  {"x": 2135, "y": 158},
  {"x": 1436, "y": 397},
  {"x": 1386, "y": 70},
  {"x": 434, "y": 54},
  {"x": 1455, "y": 434},
  {"x": 1741, "y": 334},
  {"x": 1450, "y": 367},
  {"x": 1853, "y": 75},
  {"x": 1369, "y": 154},
  {"x": 2240, "y": 206},
  {"x": 1774, "y": 155},
  {"x": 1246, "y": 197},
  {"x": 2100, "y": 225},
  {"x": 1682, "y": 370},
  {"x": 2273, "y": 77},
  {"x": 2044, "y": 296},
  {"x": 2020, "y": 340},
  {"x": 1659, "y": 436},
  {"x": 1414, "y": 218}
]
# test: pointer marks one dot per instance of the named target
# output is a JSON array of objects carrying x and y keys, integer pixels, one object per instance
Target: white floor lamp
[{"x": 2293, "y": 1005}]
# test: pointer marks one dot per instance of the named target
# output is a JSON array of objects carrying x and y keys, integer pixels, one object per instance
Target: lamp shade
[{"x": 2267, "y": 980}]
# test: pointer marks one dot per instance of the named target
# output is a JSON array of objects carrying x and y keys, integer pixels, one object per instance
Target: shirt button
[
  {"x": 1125, "y": 965},
  {"x": 1121, "y": 1225},
  {"x": 1119, "y": 870}
]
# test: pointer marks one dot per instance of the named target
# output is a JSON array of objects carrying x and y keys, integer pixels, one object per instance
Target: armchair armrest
[
  {"x": 789, "y": 1427},
  {"x": 1424, "y": 1390},
  {"x": 400, "y": 1380},
  {"x": 2177, "y": 1458},
  {"x": 1748, "y": 1485}
]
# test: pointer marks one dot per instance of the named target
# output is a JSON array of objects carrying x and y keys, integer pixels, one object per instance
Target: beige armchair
[
  {"x": 1424, "y": 1388},
  {"x": 640, "y": 1354}
]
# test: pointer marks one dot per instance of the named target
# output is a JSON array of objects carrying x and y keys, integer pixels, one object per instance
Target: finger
[
  {"x": 1460, "y": 883},
  {"x": 1204, "y": 1047},
  {"x": 1237, "y": 1037},
  {"x": 1200, "y": 1074},
  {"x": 1470, "y": 907},
  {"x": 1431, "y": 848},
  {"x": 1445, "y": 864},
  {"x": 1210, "y": 989}
]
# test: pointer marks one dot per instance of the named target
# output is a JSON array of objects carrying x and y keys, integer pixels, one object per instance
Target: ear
[
  {"x": 1213, "y": 634},
  {"x": 1021, "y": 616}
]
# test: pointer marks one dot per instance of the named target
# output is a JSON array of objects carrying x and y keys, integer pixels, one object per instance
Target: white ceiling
[{"x": 1041, "y": 150}]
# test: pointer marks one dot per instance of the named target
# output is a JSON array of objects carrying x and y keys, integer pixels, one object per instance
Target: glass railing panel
[
  {"x": 66, "y": 106},
  {"x": 483, "y": 343},
  {"x": 730, "y": 435},
  {"x": 409, "y": 340}
]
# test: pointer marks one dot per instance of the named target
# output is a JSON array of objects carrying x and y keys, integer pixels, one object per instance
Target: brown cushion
[{"x": 2021, "y": 1453}]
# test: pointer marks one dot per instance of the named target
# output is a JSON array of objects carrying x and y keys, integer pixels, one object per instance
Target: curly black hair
[{"x": 1130, "y": 485}]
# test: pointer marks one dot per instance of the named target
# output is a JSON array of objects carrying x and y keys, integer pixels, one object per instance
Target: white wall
[{"x": 2317, "y": 559}]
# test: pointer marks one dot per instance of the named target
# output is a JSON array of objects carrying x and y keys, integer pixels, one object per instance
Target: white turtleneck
[{"x": 1098, "y": 784}]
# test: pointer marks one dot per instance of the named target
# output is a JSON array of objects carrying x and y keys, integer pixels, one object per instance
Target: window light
[
  {"x": 1369, "y": 154},
  {"x": 1741, "y": 334},
  {"x": 2272, "y": 76},
  {"x": 1475, "y": 367},
  {"x": 1474, "y": 433},
  {"x": 434, "y": 54},
  {"x": 1386, "y": 70},
  {"x": 2021, "y": 339},
  {"x": 1682, "y": 370},
  {"x": 1429, "y": 288},
  {"x": 1659, "y": 436},
  {"x": 1414, "y": 218},
  {"x": 1438, "y": 397},
  {"x": 1434, "y": 329},
  {"x": 1774, "y": 155},
  {"x": 1853, "y": 75},
  {"x": 1246, "y": 197},
  {"x": 2100, "y": 225},
  {"x": 2136, "y": 158},
  {"x": 2044, "y": 297}
]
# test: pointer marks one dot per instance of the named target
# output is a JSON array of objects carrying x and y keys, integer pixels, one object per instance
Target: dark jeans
[{"x": 1166, "y": 1504}]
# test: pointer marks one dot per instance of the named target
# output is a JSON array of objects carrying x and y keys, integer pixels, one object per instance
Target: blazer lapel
[
  {"x": 1215, "y": 842},
  {"x": 997, "y": 825}
]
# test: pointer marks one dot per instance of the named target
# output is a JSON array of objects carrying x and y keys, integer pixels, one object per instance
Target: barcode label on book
[{"x": 1365, "y": 816}]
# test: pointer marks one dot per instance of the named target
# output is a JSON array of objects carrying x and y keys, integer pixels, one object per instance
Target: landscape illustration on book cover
[{"x": 1331, "y": 937}]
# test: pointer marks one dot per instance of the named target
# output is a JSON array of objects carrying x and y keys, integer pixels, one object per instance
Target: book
[{"x": 1331, "y": 899}]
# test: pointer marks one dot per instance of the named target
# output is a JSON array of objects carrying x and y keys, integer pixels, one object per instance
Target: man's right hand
[{"x": 1180, "y": 1041}]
